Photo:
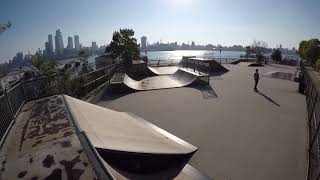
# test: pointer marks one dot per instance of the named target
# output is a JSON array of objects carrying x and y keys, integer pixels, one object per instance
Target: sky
[{"x": 225, "y": 22}]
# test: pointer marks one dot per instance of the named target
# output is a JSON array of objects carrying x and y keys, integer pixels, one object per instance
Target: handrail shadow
[{"x": 268, "y": 98}]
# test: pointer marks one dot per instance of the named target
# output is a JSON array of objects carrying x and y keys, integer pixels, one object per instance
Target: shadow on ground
[
  {"x": 207, "y": 91},
  {"x": 268, "y": 98},
  {"x": 109, "y": 96}
]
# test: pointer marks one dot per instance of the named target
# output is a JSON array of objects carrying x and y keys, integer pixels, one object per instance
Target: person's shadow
[{"x": 268, "y": 98}]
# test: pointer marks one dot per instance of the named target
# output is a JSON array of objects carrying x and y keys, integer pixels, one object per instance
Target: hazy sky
[{"x": 225, "y": 22}]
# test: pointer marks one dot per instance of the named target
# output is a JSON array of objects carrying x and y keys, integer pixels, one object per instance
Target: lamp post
[{"x": 220, "y": 55}]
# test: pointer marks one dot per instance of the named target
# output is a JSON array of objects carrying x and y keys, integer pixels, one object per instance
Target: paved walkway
[{"x": 241, "y": 134}]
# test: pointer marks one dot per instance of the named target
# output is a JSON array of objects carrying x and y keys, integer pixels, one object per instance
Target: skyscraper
[
  {"x": 70, "y": 43},
  {"x": 59, "y": 43},
  {"x": 76, "y": 42},
  {"x": 50, "y": 45},
  {"x": 46, "y": 49},
  {"x": 143, "y": 42}
]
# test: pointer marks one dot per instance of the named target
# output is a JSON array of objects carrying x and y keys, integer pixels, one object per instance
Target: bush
[
  {"x": 317, "y": 65},
  {"x": 276, "y": 55}
]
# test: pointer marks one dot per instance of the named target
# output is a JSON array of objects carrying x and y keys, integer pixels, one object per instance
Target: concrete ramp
[
  {"x": 129, "y": 143},
  {"x": 165, "y": 70},
  {"x": 180, "y": 78}
]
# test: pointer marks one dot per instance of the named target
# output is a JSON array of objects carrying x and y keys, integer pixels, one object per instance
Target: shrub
[{"x": 317, "y": 65}]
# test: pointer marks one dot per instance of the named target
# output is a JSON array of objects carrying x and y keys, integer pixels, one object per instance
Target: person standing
[{"x": 256, "y": 79}]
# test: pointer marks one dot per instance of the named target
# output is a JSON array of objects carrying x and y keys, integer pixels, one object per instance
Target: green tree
[
  {"x": 38, "y": 63},
  {"x": 310, "y": 50},
  {"x": 124, "y": 46},
  {"x": 248, "y": 51},
  {"x": 276, "y": 55},
  {"x": 84, "y": 61},
  {"x": 42, "y": 67},
  {"x": 259, "y": 48},
  {"x": 4, "y": 27},
  {"x": 317, "y": 66},
  {"x": 301, "y": 49}
]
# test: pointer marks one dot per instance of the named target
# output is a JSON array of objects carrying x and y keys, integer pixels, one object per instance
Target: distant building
[
  {"x": 76, "y": 42},
  {"x": 59, "y": 43},
  {"x": 46, "y": 49},
  {"x": 94, "y": 47},
  {"x": 70, "y": 43},
  {"x": 193, "y": 44},
  {"x": 50, "y": 44},
  {"x": 143, "y": 42}
]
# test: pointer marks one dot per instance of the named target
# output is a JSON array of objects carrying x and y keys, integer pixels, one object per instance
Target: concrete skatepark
[{"x": 241, "y": 134}]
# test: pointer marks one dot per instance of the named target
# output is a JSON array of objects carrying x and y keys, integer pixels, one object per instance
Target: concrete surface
[
  {"x": 241, "y": 134},
  {"x": 43, "y": 144}
]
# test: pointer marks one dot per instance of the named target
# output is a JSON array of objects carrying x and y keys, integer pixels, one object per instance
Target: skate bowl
[
  {"x": 280, "y": 75},
  {"x": 128, "y": 144},
  {"x": 180, "y": 78}
]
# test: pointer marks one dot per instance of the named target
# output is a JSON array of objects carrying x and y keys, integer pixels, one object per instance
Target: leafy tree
[
  {"x": 5, "y": 27},
  {"x": 42, "y": 67},
  {"x": 310, "y": 50},
  {"x": 248, "y": 51},
  {"x": 84, "y": 59},
  {"x": 276, "y": 55},
  {"x": 83, "y": 55},
  {"x": 38, "y": 63},
  {"x": 301, "y": 49},
  {"x": 317, "y": 66},
  {"x": 259, "y": 49},
  {"x": 124, "y": 46}
]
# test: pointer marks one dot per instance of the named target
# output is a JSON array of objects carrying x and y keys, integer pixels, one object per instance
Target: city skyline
[{"x": 211, "y": 22}]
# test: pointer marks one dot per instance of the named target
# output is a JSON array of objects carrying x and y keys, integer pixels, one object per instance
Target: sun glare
[{"x": 181, "y": 2}]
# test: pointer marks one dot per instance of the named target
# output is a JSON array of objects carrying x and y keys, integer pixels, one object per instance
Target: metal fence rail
[
  {"x": 10, "y": 104},
  {"x": 312, "y": 91},
  {"x": 42, "y": 87},
  {"x": 16, "y": 98}
]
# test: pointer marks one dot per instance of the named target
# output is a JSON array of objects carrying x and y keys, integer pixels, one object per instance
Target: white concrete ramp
[
  {"x": 165, "y": 70},
  {"x": 121, "y": 131}
]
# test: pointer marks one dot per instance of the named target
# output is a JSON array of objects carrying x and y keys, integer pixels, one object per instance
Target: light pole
[{"x": 220, "y": 55}]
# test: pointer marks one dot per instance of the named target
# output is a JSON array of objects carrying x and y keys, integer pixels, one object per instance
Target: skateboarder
[{"x": 256, "y": 79}]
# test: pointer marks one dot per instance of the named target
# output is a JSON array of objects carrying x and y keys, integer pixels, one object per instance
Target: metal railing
[
  {"x": 10, "y": 103},
  {"x": 312, "y": 91},
  {"x": 42, "y": 87}
]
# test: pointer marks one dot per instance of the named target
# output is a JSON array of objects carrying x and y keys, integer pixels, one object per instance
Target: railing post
[
  {"x": 23, "y": 91},
  {"x": 8, "y": 102},
  {"x": 312, "y": 109}
]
